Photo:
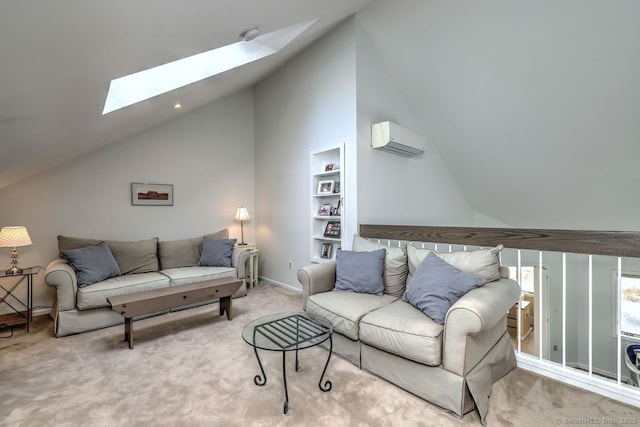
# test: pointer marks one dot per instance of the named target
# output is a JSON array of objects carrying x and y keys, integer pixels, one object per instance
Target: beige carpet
[{"x": 192, "y": 368}]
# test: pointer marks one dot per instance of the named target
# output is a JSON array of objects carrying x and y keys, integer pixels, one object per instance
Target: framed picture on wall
[{"x": 151, "y": 194}]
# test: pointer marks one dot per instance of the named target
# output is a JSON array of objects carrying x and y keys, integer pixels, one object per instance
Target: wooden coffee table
[{"x": 147, "y": 302}]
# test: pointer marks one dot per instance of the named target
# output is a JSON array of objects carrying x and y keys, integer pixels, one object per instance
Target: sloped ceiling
[
  {"x": 534, "y": 105},
  {"x": 58, "y": 57}
]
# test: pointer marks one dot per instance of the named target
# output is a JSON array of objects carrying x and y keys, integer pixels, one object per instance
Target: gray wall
[
  {"x": 393, "y": 189},
  {"x": 305, "y": 106},
  {"x": 207, "y": 154}
]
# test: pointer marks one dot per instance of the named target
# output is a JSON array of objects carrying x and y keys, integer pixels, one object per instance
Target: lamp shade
[
  {"x": 11, "y": 237},
  {"x": 242, "y": 214}
]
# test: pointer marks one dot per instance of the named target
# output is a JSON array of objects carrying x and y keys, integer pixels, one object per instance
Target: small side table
[
  {"x": 253, "y": 267},
  {"x": 27, "y": 273}
]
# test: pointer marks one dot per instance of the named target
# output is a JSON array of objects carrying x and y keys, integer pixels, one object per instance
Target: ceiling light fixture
[
  {"x": 177, "y": 106},
  {"x": 250, "y": 34}
]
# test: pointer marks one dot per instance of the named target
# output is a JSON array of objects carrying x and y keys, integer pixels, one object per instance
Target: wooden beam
[{"x": 614, "y": 243}]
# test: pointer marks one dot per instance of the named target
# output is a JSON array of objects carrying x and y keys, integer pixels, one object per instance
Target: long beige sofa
[
  {"x": 452, "y": 364},
  {"x": 142, "y": 265}
]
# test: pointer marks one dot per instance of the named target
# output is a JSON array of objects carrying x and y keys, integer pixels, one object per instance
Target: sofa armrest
[
  {"x": 239, "y": 258},
  {"x": 316, "y": 278},
  {"x": 475, "y": 323},
  {"x": 62, "y": 276}
]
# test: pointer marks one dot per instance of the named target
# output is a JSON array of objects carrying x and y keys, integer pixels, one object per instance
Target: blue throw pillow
[
  {"x": 437, "y": 285},
  {"x": 92, "y": 264},
  {"x": 360, "y": 271},
  {"x": 216, "y": 252}
]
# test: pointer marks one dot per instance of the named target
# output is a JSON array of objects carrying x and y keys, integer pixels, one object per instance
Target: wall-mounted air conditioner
[{"x": 393, "y": 138}]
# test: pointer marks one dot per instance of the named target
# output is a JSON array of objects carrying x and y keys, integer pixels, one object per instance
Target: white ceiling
[
  {"x": 57, "y": 59},
  {"x": 534, "y": 105}
]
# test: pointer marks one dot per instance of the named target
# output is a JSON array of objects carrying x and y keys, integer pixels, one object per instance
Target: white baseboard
[
  {"x": 42, "y": 311},
  {"x": 621, "y": 392},
  {"x": 282, "y": 285}
]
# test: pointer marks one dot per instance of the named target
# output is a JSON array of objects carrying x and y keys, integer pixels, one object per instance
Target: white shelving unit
[{"x": 327, "y": 196}]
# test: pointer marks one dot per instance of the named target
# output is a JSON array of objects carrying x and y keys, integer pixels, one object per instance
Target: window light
[{"x": 131, "y": 89}]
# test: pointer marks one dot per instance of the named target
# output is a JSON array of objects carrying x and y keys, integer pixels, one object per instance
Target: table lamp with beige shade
[
  {"x": 13, "y": 237},
  {"x": 242, "y": 215}
]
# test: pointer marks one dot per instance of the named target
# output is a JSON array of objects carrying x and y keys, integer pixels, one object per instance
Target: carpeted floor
[{"x": 192, "y": 368}]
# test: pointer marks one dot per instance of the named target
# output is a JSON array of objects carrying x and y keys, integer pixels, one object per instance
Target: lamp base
[
  {"x": 14, "y": 271},
  {"x": 242, "y": 244}
]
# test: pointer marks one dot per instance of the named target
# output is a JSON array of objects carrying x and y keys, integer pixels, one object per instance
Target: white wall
[
  {"x": 306, "y": 105},
  {"x": 207, "y": 154},
  {"x": 394, "y": 189}
]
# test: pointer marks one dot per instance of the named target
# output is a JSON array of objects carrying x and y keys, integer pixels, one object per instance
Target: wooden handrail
[{"x": 614, "y": 243}]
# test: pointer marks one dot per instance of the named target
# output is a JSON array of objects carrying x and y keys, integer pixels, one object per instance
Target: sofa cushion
[
  {"x": 399, "y": 328},
  {"x": 437, "y": 285},
  {"x": 132, "y": 256},
  {"x": 65, "y": 242},
  {"x": 179, "y": 253},
  {"x": 96, "y": 295},
  {"x": 395, "y": 264},
  {"x": 345, "y": 309},
  {"x": 482, "y": 262},
  {"x": 184, "y": 252},
  {"x": 216, "y": 252},
  {"x": 360, "y": 271},
  {"x": 186, "y": 275},
  {"x": 135, "y": 256},
  {"x": 92, "y": 263}
]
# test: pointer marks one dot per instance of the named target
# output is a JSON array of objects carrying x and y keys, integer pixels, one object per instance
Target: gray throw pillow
[
  {"x": 92, "y": 264},
  {"x": 395, "y": 264},
  {"x": 437, "y": 285},
  {"x": 360, "y": 271},
  {"x": 216, "y": 252}
]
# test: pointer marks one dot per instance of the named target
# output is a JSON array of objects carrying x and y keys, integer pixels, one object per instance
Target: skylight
[{"x": 131, "y": 89}]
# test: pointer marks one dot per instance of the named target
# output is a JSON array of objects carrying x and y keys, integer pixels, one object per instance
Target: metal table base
[{"x": 289, "y": 334}]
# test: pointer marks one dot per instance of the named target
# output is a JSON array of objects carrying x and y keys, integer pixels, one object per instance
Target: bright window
[
  {"x": 131, "y": 89},
  {"x": 527, "y": 281},
  {"x": 630, "y": 305}
]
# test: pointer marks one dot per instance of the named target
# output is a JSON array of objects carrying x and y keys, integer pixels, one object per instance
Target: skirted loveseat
[
  {"x": 90, "y": 270},
  {"x": 377, "y": 298}
]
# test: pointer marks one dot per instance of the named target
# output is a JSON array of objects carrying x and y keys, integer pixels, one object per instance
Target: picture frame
[
  {"x": 325, "y": 187},
  {"x": 336, "y": 187},
  {"x": 332, "y": 229},
  {"x": 326, "y": 251},
  {"x": 143, "y": 194},
  {"x": 329, "y": 167},
  {"x": 324, "y": 210}
]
